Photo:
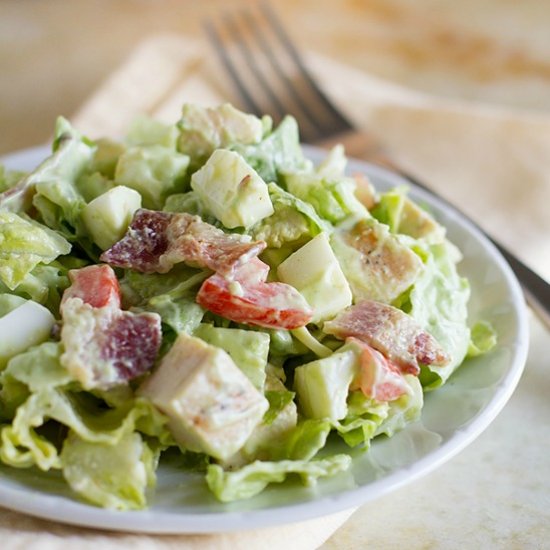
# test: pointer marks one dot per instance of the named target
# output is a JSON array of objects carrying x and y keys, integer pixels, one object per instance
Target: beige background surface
[
  {"x": 54, "y": 54},
  {"x": 476, "y": 77}
]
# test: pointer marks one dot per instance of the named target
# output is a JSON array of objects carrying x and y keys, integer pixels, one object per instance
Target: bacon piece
[
  {"x": 144, "y": 243},
  {"x": 247, "y": 298},
  {"x": 390, "y": 331},
  {"x": 131, "y": 343},
  {"x": 96, "y": 285},
  {"x": 156, "y": 241},
  {"x": 105, "y": 346},
  {"x": 379, "y": 378}
]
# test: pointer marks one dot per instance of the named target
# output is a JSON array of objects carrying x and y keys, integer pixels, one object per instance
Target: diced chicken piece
[
  {"x": 246, "y": 298},
  {"x": 104, "y": 346},
  {"x": 259, "y": 445},
  {"x": 156, "y": 241},
  {"x": 376, "y": 264},
  {"x": 211, "y": 405},
  {"x": 390, "y": 331}
]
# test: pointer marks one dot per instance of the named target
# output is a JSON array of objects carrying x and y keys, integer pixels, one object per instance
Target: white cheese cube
[
  {"x": 314, "y": 270},
  {"x": 211, "y": 405}
]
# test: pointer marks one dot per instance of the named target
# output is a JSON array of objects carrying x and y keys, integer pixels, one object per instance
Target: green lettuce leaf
[
  {"x": 363, "y": 418},
  {"x": 154, "y": 171},
  {"x": 57, "y": 197},
  {"x": 181, "y": 314},
  {"x": 23, "y": 245},
  {"x": 138, "y": 288},
  {"x": 36, "y": 388},
  {"x": 280, "y": 151},
  {"x": 483, "y": 339},
  {"x": 294, "y": 221},
  {"x": 333, "y": 199},
  {"x": 249, "y": 349},
  {"x": 9, "y": 178},
  {"x": 254, "y": 478},
  {"x": 111, "y": 476},
  {"x": 438, "y": 301}
]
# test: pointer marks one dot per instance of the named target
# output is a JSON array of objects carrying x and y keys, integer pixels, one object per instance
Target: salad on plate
[{"x": 204, "y": 290}]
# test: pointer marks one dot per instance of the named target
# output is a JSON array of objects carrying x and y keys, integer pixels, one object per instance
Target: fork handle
[{"x": 535, "y": 289}]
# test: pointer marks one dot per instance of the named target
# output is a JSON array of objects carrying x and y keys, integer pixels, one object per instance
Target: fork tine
[
  {"x": 269, "y": 73},
  {"x": 217, "y": 42},
  {"x": 341, "y": 122},
  {"x": 281, "y": 73},
  {"x": 236, "y": 41}
]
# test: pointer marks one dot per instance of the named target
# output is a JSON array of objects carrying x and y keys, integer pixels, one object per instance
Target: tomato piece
[
  {"x": 95, "y": 285},
  {"x": 248, "y": 299},
  {"x": 379, "y": 378}
]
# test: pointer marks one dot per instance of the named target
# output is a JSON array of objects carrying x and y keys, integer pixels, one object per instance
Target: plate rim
[{"x": 52, "y": 507}]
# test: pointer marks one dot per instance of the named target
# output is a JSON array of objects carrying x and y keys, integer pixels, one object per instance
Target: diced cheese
[
  {"x": 314, "y": 270},
  {"x": 211, "y": 405}
]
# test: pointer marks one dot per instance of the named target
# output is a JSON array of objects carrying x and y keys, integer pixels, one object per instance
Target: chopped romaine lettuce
[
  {"x": 25, "y": 244},
  {"x": 254, "y": 478},
  {"x": 250, "y": 404}
]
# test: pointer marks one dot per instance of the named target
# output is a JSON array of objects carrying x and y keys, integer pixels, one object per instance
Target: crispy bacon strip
[
  {"x": 155, "y": 241},
  {"x": 390, "y": 331},
  {"x": 105, "y": 346},
  {"x": 378, "y": 377},
  {"x": 247, "y": 298}
]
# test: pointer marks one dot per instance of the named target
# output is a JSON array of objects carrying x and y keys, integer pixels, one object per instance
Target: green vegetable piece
[
  {"x": 322, "y": 385},
  {"x": 23, "y": 245},
  {"x": 154, "y": 171},
  {"x": 254, "y": 478},
  {"x": 111, "y": 476},
  {"x": 203, "y": 129},
  {"x": 232, "y": 190},
  {"x": 108, "y": 216},
  {"x": 249, "y": 349}
]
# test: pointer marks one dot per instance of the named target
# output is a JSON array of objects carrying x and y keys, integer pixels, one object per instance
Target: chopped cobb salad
[{"x": 203, "y": 288}]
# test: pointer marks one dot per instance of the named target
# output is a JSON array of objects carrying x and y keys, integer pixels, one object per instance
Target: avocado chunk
[
  {"x": 108, "y": 216},
  {"x": 232, "y": 190},
  {"x": 323, "y": 385},
  {"x": 315, "y": 272}
]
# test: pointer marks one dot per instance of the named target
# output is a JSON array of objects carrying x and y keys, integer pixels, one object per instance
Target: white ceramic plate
[{"x": 453, "y": 417}]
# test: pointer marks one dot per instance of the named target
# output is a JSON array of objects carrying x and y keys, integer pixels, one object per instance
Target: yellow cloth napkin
[{"x": 488, "y": 161}]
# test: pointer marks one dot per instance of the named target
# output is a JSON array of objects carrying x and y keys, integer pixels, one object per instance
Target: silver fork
[{"x": 271, "y": 77}]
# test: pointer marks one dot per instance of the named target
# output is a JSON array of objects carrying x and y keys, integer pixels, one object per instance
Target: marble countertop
[{"x": 494, "y": 494}]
